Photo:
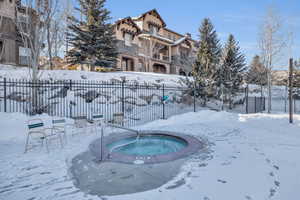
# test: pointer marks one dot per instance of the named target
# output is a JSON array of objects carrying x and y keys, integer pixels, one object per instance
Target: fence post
[
  {"x": 291, "y": 91},
  {"x": 295, "y": 110},
  {"x": 246, "y": 94},
  {"x": 255, "y": 110},
  {"x": 163, "y": 101},
  {"x": 70, "y": 105},
  {"x": 194, "y": 97},
  {"x": 5, "y": 96},
  {"x": 123, "y": 97}
]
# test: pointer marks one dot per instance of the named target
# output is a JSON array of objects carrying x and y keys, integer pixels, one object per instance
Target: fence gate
[{"x": 255, "y": 104}]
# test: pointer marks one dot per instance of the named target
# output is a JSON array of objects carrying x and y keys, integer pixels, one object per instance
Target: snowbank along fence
[{"x": 137, "y": 102}]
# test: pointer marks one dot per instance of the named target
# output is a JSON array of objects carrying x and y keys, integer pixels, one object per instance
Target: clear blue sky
[{"x": 239, "y": 17}]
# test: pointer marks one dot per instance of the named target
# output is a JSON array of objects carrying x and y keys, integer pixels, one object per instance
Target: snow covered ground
[
  {"x": 253, "y": 157},
  {"x": 23, "y": 73}
]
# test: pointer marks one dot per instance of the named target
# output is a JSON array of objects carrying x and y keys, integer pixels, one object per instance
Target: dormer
[
  {"x": 126, "y": 30},
  {"x": 150, "y": 21}
]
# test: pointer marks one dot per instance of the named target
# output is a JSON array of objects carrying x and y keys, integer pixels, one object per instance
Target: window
[
  {"x": 153, "y": 29},
  {"x": 128, "y": 39},
  {"x": 22, "y": 18},
  {"x": 24, "y": 55}
]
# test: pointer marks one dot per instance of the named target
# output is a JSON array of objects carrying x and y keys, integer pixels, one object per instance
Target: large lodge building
[
  {"x": 145, "y": 44},
  {"x": 12, "y": 50}
]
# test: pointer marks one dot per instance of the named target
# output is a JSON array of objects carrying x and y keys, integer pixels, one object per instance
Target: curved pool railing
[{"x": 122, "y": 145}]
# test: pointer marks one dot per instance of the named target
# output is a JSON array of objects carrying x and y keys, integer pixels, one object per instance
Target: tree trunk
[
  {"x": 49, "y": 45},
  {"x": 269, "y": 92}
]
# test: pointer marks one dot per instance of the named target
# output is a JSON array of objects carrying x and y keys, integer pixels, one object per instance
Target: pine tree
[
  {"x": 232, "y": 68},
  {"x": 208, "y": 58},
  {"x": 92, "y": 37},
  {"x": 257, "y": 73}
]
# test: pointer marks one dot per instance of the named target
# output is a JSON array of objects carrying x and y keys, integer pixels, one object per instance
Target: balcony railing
[{"x": 161, "y": 57}]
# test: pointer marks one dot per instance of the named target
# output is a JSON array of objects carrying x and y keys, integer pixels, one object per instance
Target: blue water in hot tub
[{"x": 148, "y": 145}]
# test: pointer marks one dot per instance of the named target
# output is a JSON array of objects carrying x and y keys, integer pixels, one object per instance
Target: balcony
[
  {"x": 130, "y": 50},
  {"x": 161, "y": 57}
]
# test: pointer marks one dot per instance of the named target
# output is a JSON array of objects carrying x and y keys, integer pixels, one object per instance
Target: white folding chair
[
  {"x": 59, "y": 127},
  {"x": 37, "y": 131},
  {"x": 80, "y": 123},
  {"x": 118, "y": 118}
]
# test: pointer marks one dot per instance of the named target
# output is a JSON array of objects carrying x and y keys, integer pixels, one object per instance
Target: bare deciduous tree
[
  {"x": 51, "y": 26},
  {"x": 31, "y": 28},
  {"x": 272, "y": 41},
  {"x": 3, "y": 44}
]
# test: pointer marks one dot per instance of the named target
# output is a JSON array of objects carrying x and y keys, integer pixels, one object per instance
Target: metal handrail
[
  {"x": 123, "y": 145},
  {"x": 127, "y": 129},
  {"x": 124, "y": 128}
]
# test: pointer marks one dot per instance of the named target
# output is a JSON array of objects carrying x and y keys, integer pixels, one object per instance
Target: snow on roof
[
  {"x": 156, "y": 36},
  {"x": 177, "y": 42}
]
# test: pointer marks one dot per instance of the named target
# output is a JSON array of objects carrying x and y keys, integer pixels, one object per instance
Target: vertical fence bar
[
  {"x": 5, "y": 96},
  {"x": 255, "y": 110},
  {"x": 123, "y": 100},
  {"x": 123, "y": 96},
  {"x": 69, "y": 100},
  {"x": 163, "y": 101},
  {"x": 291, "y": 90},
  {"x": 247, "y": 98},
  {"x": 194, "y": 97},
  {"x": 294, "y": 104}
]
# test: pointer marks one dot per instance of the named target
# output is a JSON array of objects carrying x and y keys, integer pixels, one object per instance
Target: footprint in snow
[
  {"x": 277, "y": 183},
  {"x": 272, "y": 192},
  {"x": 276, "y": 167},
  {"x": 248, "y": 197},
  {"x": 202, "y": 165},
  {"x": 226, "y": 163},
  {"x": 222, "y": 181}
]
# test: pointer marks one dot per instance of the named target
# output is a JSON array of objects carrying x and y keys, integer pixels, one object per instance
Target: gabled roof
[
  {"x": 152, "y": 12},
  {"x": 129, "y": 21},
  {"x": 181, "y": 40}
]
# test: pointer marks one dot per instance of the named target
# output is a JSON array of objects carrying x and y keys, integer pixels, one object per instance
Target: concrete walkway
[{"x": 108, "y": 178}]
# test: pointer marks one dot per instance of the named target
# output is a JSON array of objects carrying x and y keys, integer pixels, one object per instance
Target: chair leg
[
  {"x": 65, "y": 137},
  {"x": 47, "y": 147},
  {"x": 26, "y": 144},
  {"x": 61, "y": 141}
]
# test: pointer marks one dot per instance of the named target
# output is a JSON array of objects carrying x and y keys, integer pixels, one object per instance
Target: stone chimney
[{"x": 188, "y": 35}]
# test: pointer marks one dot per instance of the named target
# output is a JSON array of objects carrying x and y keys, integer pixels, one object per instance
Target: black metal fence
[
  {"x": 255, "y": 104},
  {"x": 138, "y": 103}
]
